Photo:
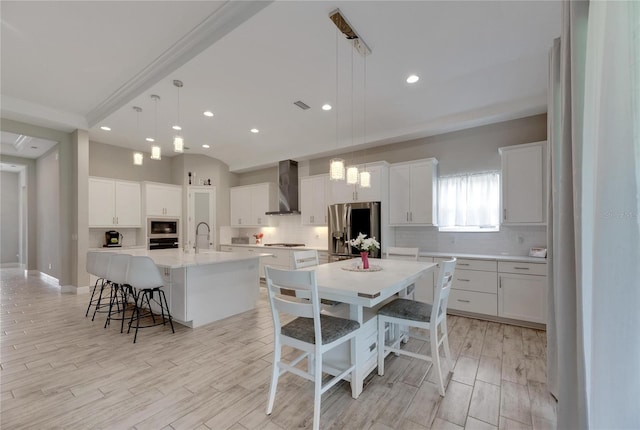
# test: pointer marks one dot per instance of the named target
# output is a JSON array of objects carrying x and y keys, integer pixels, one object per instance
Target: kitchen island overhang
[{"x": 209, "y": 286}]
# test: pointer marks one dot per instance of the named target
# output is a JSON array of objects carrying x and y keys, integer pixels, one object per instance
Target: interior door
[{"x": 202, "y": 209}]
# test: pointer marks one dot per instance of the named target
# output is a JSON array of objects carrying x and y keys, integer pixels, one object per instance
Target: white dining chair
[
  {"x": 411, "y": 313},
  {"x": 296, "y": 293},
  {"x": 146, "y": 281}
]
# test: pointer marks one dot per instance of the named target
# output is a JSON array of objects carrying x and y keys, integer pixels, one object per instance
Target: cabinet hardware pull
[
  {"x": 464, "y": 280},
  {"x": 372, "y": 347},
  {"x": 520, "y": 268},
  {"x": 504, "y": 214},
  {"x": 116, "y": 220},
  {"x": 463, "y": 264},
  {"x": 464, "y": 301}
]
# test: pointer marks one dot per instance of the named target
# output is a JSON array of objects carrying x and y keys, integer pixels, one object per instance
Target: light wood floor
[{"x": 62, "y": 371}]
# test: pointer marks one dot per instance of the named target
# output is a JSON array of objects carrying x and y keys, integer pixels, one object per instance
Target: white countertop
[
  {"x": 177, "y": 258},
  {"x": 498, "y": 257},
  {"x": 261, "y": 245}
]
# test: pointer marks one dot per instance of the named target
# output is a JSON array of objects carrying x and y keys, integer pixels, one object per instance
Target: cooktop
[{"x": 288, "y": 245}]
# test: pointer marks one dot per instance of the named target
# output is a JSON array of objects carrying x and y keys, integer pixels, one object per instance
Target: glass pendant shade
[
  {"x": 365, "y": 179},
  {"x": 352, "y": 175},
  {"x": 336, "y": 169},
  {"x": 137, "y": 158},
  {"x": 156, "y": 153},
  {"x": 178, "y": 144}
]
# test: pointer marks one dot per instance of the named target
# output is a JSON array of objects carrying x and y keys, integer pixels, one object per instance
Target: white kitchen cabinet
[
  {"x": 313, "y": 199},
  {"x": 475, "y": 286},
  {"x": 522, "y": 292},
  {"x": 163, "y": 200},
  {"x": 341, "y": 192},
  {"x": 280, "y": 258},
  {"x": 523, "y": 184},
  {"x": 250, "y": 203},
  {"x": 114, "y": 203},
  {"x": 323, "y": 257},
  {"x": 413, "y": 193}
]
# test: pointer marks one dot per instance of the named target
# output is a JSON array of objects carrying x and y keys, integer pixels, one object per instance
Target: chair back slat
[
  {"x": 443, "y": 289},
  {"x": 397, "y": 253},
  {"x": 306, "y": 258}
]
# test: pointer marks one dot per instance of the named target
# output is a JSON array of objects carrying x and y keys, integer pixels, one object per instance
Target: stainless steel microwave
[{"x": 159, "y": 228}]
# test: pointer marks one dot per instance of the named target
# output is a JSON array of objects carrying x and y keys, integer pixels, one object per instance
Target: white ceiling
[{"x": 69, "y": 65}]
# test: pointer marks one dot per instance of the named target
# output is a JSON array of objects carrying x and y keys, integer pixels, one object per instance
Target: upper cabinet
[
  {"x": 523, "y": 184},
  {"x": 313, "y": 199},
  {"x": 341, "y": 192},
  {"x": 114, "y": 203},
  {"x": 413, "y": 192},
  {"x": 163, "y": 200},
  {"x": 250, "y": 203}
]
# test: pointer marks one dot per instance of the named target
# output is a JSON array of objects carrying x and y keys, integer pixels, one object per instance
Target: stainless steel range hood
[{"x": 287, "y": 188}]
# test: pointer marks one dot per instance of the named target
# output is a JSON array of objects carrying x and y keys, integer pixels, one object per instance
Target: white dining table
[{"x": 362, "y": 292}]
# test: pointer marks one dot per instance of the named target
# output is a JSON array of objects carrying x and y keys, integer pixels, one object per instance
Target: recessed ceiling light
[
  {"x": 176, "y": 127},
  {"x": 412, "y": 79},
  {"x": 208, "y": 113},
  {"x": 150, "y": 139},
  {"x": 205, "y": 146},
  {"x": 326, "y": 107},
  {"x": 105, "y": 128},
  {"x": 255, "y": 130}
]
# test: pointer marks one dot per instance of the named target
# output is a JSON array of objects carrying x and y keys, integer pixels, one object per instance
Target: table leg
[{"x": 357, "y": 382}]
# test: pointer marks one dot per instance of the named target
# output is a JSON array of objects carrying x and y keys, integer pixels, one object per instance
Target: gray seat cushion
[
  {"x": 332, "y": 328},
  {"x": 408, "y": 310}
]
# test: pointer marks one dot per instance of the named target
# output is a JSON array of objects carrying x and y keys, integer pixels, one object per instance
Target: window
[{"x": 469, "y": 202}]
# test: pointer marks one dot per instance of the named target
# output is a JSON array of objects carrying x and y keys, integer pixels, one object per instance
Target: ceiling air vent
[{"x": 302, "y": 105}]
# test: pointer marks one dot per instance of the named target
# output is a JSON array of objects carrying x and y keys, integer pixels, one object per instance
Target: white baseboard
[
  {"x": 72, "y": 289},
  {"x": 10, "y": 265},
  {"x": 48, "y": 278}
]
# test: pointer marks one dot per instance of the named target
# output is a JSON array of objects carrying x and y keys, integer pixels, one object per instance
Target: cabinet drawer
[
  {"x": 279, "y": 257},
  {"x": 472, "y": 264},
  {"x": 224, "y": 248},
  {"x": 539, "y": 269},
  {"x": 475, "y": 280},
  {"x": 472, "y": 301}
]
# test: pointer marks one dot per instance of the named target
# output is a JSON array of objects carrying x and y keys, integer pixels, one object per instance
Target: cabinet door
[
  {"x": 259, "y": 205},
  {"x": 423, "y": 194},
  {"x": 128, "y": 207},
  {"x": 523, "y": 194},
  {"x": 341, "y": 192},
  {"x": 163, "y": 200},
  {"x": 240, "y": 210},
  {"x": 373, "y": 193},
  {"x": 313, "y": 200},
  {"x": 522, "y": 297},
  {"x": 102, "y": 197},
  {"x": 399, "y": 194}
]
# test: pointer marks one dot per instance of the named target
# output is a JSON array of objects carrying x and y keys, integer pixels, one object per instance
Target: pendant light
[
  {"x": 365, "y": 176},
  {"x": 178, "y": 141},
  {"x": 352, "y": 170},
  {"x": 336, "y": 165},
  {"x": 137, "y": 156},
  {"x": 156, "y": 152}
]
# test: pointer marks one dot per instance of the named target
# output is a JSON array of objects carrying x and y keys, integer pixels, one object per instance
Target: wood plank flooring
[{"x": 60, "y": 370}]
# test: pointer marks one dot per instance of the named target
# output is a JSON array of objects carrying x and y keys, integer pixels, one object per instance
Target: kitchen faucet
[{"x": 208, "y": 232}]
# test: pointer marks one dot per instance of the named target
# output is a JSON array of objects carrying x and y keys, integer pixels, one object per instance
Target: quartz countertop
[
  {"x": 261, "y": 245},
  {"x": 177, "y": 258},
  {"x": 498, "y": 257}
]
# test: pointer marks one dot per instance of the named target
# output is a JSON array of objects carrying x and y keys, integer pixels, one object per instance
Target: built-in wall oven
[{"x": 163, "y": 233}]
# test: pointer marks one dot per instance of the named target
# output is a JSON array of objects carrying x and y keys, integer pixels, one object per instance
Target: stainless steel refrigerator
[{"x": 346, "y": 221}]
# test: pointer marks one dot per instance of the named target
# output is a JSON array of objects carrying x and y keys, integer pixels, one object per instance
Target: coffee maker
[{"x": 112, "y": 239}]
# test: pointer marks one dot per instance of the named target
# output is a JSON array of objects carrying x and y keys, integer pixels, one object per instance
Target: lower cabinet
[
  {"x": 475, "y": 286},
  {"x": 522, "y": 292}
]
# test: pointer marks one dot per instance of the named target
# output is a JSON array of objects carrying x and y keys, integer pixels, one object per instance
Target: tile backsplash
[
  {"x": 288, "y": 230},
  {"x": 96, "y": 237},
  {"x": 510, "y": 240}
]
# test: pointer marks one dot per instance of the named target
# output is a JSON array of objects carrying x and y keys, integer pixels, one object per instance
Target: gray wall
[
  {"x": 110, "y": 161},
  {"x": 48, "y": 189},
  {"x": 471, "y": 150},
  {"x": 9, "y": 217}
]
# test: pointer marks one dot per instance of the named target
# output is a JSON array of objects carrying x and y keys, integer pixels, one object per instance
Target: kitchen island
[{"x": 208, "y": 286}]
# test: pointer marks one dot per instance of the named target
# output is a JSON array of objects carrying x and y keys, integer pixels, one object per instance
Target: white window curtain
[
  {"x": 594, "y": 230},
  {"x": 469, "y": 201}
]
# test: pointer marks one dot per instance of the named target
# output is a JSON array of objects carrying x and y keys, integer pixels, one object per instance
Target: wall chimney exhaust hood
[{"x": 287, "y": 188}]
